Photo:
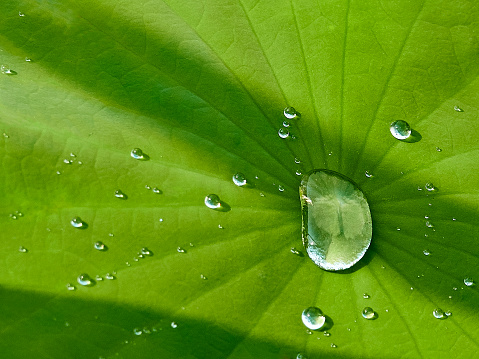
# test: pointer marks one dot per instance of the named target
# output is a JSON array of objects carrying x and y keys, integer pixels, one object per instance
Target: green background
[{"x": 200, "y": 87}]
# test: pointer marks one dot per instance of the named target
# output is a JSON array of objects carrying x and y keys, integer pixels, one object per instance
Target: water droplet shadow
[
  {"x": 414, "y": 137},
  {"x": 224, "y": 207},
  {"x": 328, "y": 324}
]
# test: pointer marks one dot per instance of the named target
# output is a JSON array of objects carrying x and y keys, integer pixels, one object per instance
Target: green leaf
[{"x": 200, "y": 87}]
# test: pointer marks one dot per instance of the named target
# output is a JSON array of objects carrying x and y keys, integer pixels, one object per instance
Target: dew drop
[
  {"x": 295, "y": 251},
  {"x": 119, "y": 194},
  {"x": 22, "y": 249},
  {"x": 70, "y": 287},
  {"x": 426, "y": 252},
  {"x": 283, "y": 132},
  {"x": 137, "y": 331},
  {"x": 146, "y": 252},
  {"x": 286, "y": 123},
  {"x": 369, "y": 313},
  {"x": 430, "y": 187},
  {"x": 13, "y": 216},
  {"x": 400, "y": 129},
  {"x": 469, "y": 281},
  {"x": 299, "y": 172},
  {"x": 366, "y": 296},
  {"x": 98, "y": 278},
  {"x": 280, "y": 188},
  {"x": 213, "y": 201},
  {"x": 157, "y": 190},
  {"x": 239, "y": 179},
  {"x": 147, "y": 187},
  {"x": 297, "y": 160},
  {"x": 100, "y": 246},
  {"x": 180, "y": 250},
  {"x": 78, "y": 223},
  {"x": 313, "y": 318},
  {"x": 138, "y": 154},
  {"x": 21, "y": 14},
  {"x": 291, "y": 113},
  {"x": 337, "y": 226},
  {"x": 85, "y": 280},
  {"x": 27, "y": 59},
  {"x": 368, "y": 174},
  {"x": 333, "y": 345},
  {"x": 202, "y": 276},
  {"x": 7, "y": 71},
  {"x": 67, "y": 161},
  {"x": 458, "y": 109},
  {"x": 5, "y": 135},
  {"x": 301, "y": 356},
  {"x": 327, "y": 334},
  {"x": 174, "y": 325},
  {"x": 438, "y": 149},
  {"x": 438, "y": 313},
  {"x": 110, "y": 276}
]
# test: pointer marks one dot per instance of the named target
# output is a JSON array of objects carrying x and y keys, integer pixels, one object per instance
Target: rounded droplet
[
  {"x": 426, "y": 252},
  {"x": 366, "y": 296},
  {"x": 213, "y": 201},
  {"x": 313, "y": 318},
  {"x": 430, "y": 187},
  {"x": 70, "y": 287},
  {"x": 337, "y": 226},
  {"x": 301, "y": 356},
  {"x": 239, "y": 179},
  {"x": 137, "y": 331},
  {"x": 157, "y": 190},
  {"x": 202, "y": 276},
  {"x": 368, "y": 174},
  {"x": 67, "y": 161},
  {"x": 458, "y": 109},
  {"x": 138, "y": 154},
  {"x": 286, "y": 123},
  {"x": 85, "y": 280},
  {"x": 327, "y": 334},
  {"x": 438, "y": 313},
  {"x": 78, "y": 223},
  {"x": 6, "y": 70},
  {"x": 22, "y": 249},
  {"x": 174, "y": 325},
  {"x": 109, "y": 276},
  {"x": 369, "y": 313},
  {"x": 429, "y": 224},
  {"x": 295, "y": 251},
  {"x": 438, "y": 149},
  {"x": 180, "y": 250},
  {"x": 469, "y": 281},
  {"x": 100, "y": 246},
  {"x": 119, "y": 194},
  {"x": 21, "y": 14},
  {"x": 291, "y": 113},
  {"x": 280, "y": 188},
  {"x": 283, "y": 132},
  {"x": 400, "y": 129},
  {"x": 27, "y": 59},
  {"x": 333, "y": 345},
  {"x": 98, "y": 278}
]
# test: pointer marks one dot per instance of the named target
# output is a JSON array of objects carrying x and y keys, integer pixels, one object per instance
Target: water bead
[
  {"x": 458, "y": 109},
  {"x": 78, "y": 223},
  {"x": 291, "y": 113},
  {"x": 239, "y": 179},
  {"x": 85, "y": 280},
  {"x": 180, "y": 250},
  {"x": 313, "y": 318},
  {"x": 109, "y": 276},
  {"x": 430, "y": 187},
  {"x": 368, "y": 174},
  {"x": 100, "y": 246},
  {"x": 426, "y": 252},
  {"x": 22, "y": 249},
  {"x": 366, "y": 296},
  {"x": 283, "y": 132},
  {"x": 400, "y": 129},
  {"x": 174, "y": 325},
  {"x": 119, "y": 194},
  {"x": 213, "y": 201},
  {"x": 138, "y": 154},
  {"x": 469, "y": 281},
  {"x": 146, "y": 252},
  {"x": 438, "y": 313},
  {"x": 369, "y": 313}
]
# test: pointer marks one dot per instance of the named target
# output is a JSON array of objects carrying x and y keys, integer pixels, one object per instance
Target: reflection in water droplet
[
  {"x": 439, "y": 313},
  {"x": 301, "y": 356},
  {"x": 430, "y": 187},
  {"x": 100, "y": 246},
  {"x": 213, "y": 201},
  {"x": 458, "y": 109},
  {"x": 78, "y": 223},
  {"x": 280, "y": 188},
  {"x": 85, "y": 280},
  {"x": 283, "y": 132},
  {"x": 333, "y": 345},
  {"x": 120, "y": 194},
  {"x": 400, "y": 129},
  {"x": 137, "y": 331},
  {"x": 291, "y": 113},
  {"x": 239, "y": 179},
  {"x": 313, "y": 318},
  {"x": 369, "y": 313},
  {"x": 469, "y": 281},
  {"x": 337, "y": 226},
  {"x": 22, "y": 249},
  {"x": 7, "y": 71}
]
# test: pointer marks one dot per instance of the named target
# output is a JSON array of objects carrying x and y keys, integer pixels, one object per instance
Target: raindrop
[
  {"x": 291, "y": 113},
  {"x": 426, "y": 252},
  {"x": 67, "y": 161},
  {"x": 313, "y": 318},
  {"x": 138, "y": 154},
  {"x": 7, "y": 71},
  {"x": 369, "y": 313},
  {"x": 299, "y": 172},
  {"x": 147, "y": 187},
  {"x": 13, "y": 216},
  {"x": 400, "y": 129},
  {"x": 295, "y": 251},
  {"x": 438, "y": 149},
  {"x": 333, "y": 345},
  {"x": 157, "y": 190},
  {"x": 21, "y": 14},
  {"x": 327, "y": 334},
  {"x": 98, "y": 278},
  {"x": 286, "y": 123},
  {"x": 100, "y": 246},
  {"x": 202, "y": 276},
  {"x": 180, "y": 250},
  {"x": 297, "y": 160},
  {"x": 239, "y": 179},
  {"x": 70, "y": 287},
  {"x": 283, "y": 132},
  {"x": 85, "y": 280},
  {"x": 110, "y": 234},
  {"x": 109, "y": 276},
  {"x": 366, "y": 296},
  {"x": 337, "y": 226},
  {"x": 119, "y": 194},
  {"x": 146, "y": 252},
  {"x": 174, "y": 325},
  {"x": 469, "y": 281},
  {"x": 213, "y": 201},
  {"x": 439, "y": 313},
  {"x": 430, "y": 187},
  {"x": 137, "y": 331},
  {"x": 22, "y": 249},
  {"x": 448, "y": 313},
  {"x": 58, "y": 173},
  {"x": 78, "y": 223},
  {"x": 27, "y": 59},
  {"x": 280, "y": 188},
  {"x": 368, "y": 174},
  {"x": 458, "y": 109}
]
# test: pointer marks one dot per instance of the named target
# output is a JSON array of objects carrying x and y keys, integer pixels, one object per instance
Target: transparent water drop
[
  {"x": 5, "y": 135},
  {"x": 280, "y": 188},
  {"x": 85, "y": 280},
  {"x": 286, "y": 123},
  {"x": 110, "y": 234},
  {"x": 110, "y": 276},
  {"x": 156, "y": 190},
  {"x": 70, "y": 287},
  {"x": 366, "y": 296},
  {"x": 58, "y": 173},
  {"x": 438, "y": 313},
  {"x": 337, "y": 226},
  {"x": 309, "y": 332},
  {"x": 369, "y": 313},
  {"x": 333, "y": 345},
  {"x": 239, "y": 179},
  {"x": 13, "y": 216},
  {"x": 119, "y": 194},
  {"x": 291, "y": 113},
  {"x": 295, "y": 251},
  {"x": 137, "y": 331},
  {"x": 6, "y": 70},
  {"x": 100, "y": 246},
  {"x": 27, "y": 59},
  {"x": 313, "y": 318},
  {"x": 146, "y": 252},
  {"x": 138, "y": 154},
  {"x": 146, "y": 330},
  {"x": 213, "y": 201},
  {"x": 299, "y": 172},
  {"x": 368, "y": 174},
  {"x": 180, "y": 250},
  {"x": 297, "y": 160},
  {"x": 147, "y": 187},
  {"x": 174, "y": 325},
  {"x": 458, "y": 109},
  {"x": 327, "y": 334},
  {"x": 78, "y": 223},
  {"x": 400, "y": 129},
  {"x": 21, "y": 14},
  {"x": 430, "y": 187},
  {"x": 448, "y": 313},
  {"x": 261, "y": 194},
  {"x": 22, "y": 249},
  {"x": 438, "y": 149},
  {"x": 67, "y": 161},
  {"x": 283, "y": 132},
  {"x": 469, "y": 281},
  {"x": 301, "y": 356},
  {"x": 202, "y": 276},
  {"x": 98, "y": 278},
  {"x": 426, "y": 252}
]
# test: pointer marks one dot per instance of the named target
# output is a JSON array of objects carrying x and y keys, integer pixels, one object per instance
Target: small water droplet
[
  {"x": 67, "y": 161},
  {"x": 309, "y": 332},
  {"x": 202, "y": 276},
  {"x": 21, "y": 14},
  {"x": 313, "y": 318},
  {"x": 400, "y": 129},
  {"x": 327, "y": 334},
  {"x": 78, "y": 223},
  {"x": 110, "y": 276},
  {"x": 239, "y": 179},
  {"x": 458, "y": 109},
  {"x": 369, "y": 313},
  {"x": 291, "y": 113},
  {"x": 58, "y": 173},
  {"x": 469, "y": 281},
  {"x": 448, "y": 313},
  {"x": 22, "y": 249},
  {"x": 110, "y": 234},
  {"x": 301, "y": 356},
  {"x": 286, "y": 123},
  {"x": 174, "y": 325},
  {"x": 191, "y": 244},
  {"x": 128, "y": 264},
  {"x": 426, "y": 252},
  {"x": 5, "y": 135},
  {"x": 180, "y": 250},
  {"x": 366, "y": 296},
  {"x": 283, "y": 132},
  {"x": 430, "y": 187},
  {"x": 261, "y": 194},
  {"x": 299, "y": 172},
  {"x": 368, "y": 174},
  {"x": 147, "y": 187},
  {"x": 438, "y": 149},
  {"x": 119, "y": 194},
  {"x": 297, "y": 160},
  {"x": 280, "y": 188},
  {"x": 333, "y": 345},
  {"x": 27, "y": 59},
  {"x": 146, "y": 252},
  {"x": 13, "y": 216},
  {"x": 213, "y": 201},
  {"x": 295, "y": 251},
  {"x": 138, "y": 154},
  {"x": 98, "y": 278},
  {"x": 429, "y": 224},
  {"x": 85, "y": 280},
  {"x": 439, "y": 313},
  {"x": 7, "y": 71},
  {"x": 157, "y": 190},
  {"x": 100, "y": 246},
  {"x": 71, "y": 287},
  {"x": 137, "y": 331}
]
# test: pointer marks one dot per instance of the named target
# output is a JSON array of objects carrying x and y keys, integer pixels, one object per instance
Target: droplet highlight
[
  {"x": 469, "y": 281},
  {"x": 438, "y": 313}
]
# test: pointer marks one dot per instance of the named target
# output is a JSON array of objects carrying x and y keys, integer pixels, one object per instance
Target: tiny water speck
[
  {"x": 157, "y": 190},
  {"x": 333, "y": 345},
  {"x": 27, "y": 59},
  {"x": 458, "y": 109},
  {"x": 295, "y": 251},
  {"x": 22, "y": 249},
  {"x": 426, "y": 252},
  {"x": 438, "y": 313},
  {"x": 100, "y": 246},
  {"x": 67, "y": 161},
  {"x": 313, "y": 318},
  {"x": 438, "y": 149},
  {"x": 327, "y": 334},
  {"x": 400, "y": 129},
  {"x": 297, "y": 160},
  {"x": 21, "y": 14},
  {"x": 180, "y": 250},
  {"x": 109, "y": 276},
  {"x": 299, "y": 172},
  {"x": 301, "y": 356},
  {"x": 98, "y": 278},
  {"x": 369, "y": 313},
  {"x": 469, "y": 281},
  {"x": 366, "y": 296},
  {"x": 291, "y": 113},
  {"x": 202, "y": 276},
  {"x": 368, "y": 174},
  {"x": 78, "y": 223},
  {"x": 119, "y": 194},
  {"x": 283, "y": 132},
  {"x": 430, "y": 187},
  {"x": 174, "y": 325},
  {"x": 70, "y": 287},
  {"x": 239, "y": 179},
  {"x": 85, "y": 280},
  {"x": 213, "y": 201}
]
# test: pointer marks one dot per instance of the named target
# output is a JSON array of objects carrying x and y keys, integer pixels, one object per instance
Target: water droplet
[
  {"x": 426, "y": 252},
  {"x": 439, "y": 313},
  {"x": 239, "y": 179},
  {"x": 180, "y": 250},
  {"x": 71, "y": 287},
  {"x": 283, "y": 132},
  {"x": 430, "y": 187},
  {"x": 368, "y": 174},
  {"x": 301, "y": 356},
  {"x": 327, "y": 334},
  {"x": 333, "y": 345},
  {"x": 299, "y": 172},
  {"x": 78, "y": 223},
  {"x": 110, "y": 276},
  {"x": 213, "y": 201},
  {"x": 202, "y": 276},
  {"x": 137, "y": 331},
  {"x": 157, "y": 190},
  {"x": 128, "y": 264},
  {"x": 85, "y": 280},
  {"x": 400, "y": 129},
  {"x": 313, "y": 318},
  {"x": 309, "y": 332},
  {"x": 291, "y": 113},
  {"x": 297, "y": 160},
  {"x": 438, "y": 149},
  {"x": 13, "y": 216},
  {"x": 27, "y": 59},
  {"x": 458, "y": 109},
  {"x": 286, "y": 123},
  {"x": 147, "y": 187},
  {"x": 58, "y": 173},
  {"x": 22, "y": 249},
  {"x": 138, "y": 154},
  {"x": 67, "y": 161},
  {"x": 110, "y": 234},
  {"x": 7, "y": 71},
  {"x": 469, "y": 281},
  {"x": 100, "y": 246},
  {"x": 295, "y": 251},
  {"x": 448, "y": 313},
  {"x": 119, "y": 194},
  {"x": 21, "y": 14},
  {"x": 98, "y": 278},
  {"x": 369, "y": 313},
  {"x": 337, "y": 226},
  {"x": 174, "y": 325},
  {"x": 366, "y": 296},
  {"x": 280, "y": 188},
  {"x": 261, "y": 194},
  {"x": 5, "y": 135}
]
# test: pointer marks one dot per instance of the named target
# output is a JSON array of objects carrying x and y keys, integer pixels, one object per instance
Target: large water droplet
[
  {"x": 85, "y": 280},
  {"x": 283, "y": 132},
  {"x": 400, "y": 129},
  {"x": 469, "y": 281},
  {"x": 78, "y": 223},
  {"x": 369, "y": 313},
  {"x": 291, "y": 113},
  {"x": 337, "y": 226},
  {"x": 213, "y": 201},
  {"x": 313, "y": 318},
  {"x": 239, "y": 179}
]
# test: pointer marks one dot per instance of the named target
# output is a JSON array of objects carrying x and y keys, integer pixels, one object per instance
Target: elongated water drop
[
  {"x": 430, "y": 187},
  {"x": 291, "y": 113},
  {"x": 22, "y": 249},
  {"x": 100, "y": 246},
  {"x": 78, "y": 223},
  {"x": 400, "y": 129},
  {"x": 313, "y": 318},
  {"x": 85, "y": 280},
  {"x": 239, "y": 179},
  {"x": 337, "y": 226},
  {"x": 438, "y": 313},
  {"x": 138, "y": 154}
]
